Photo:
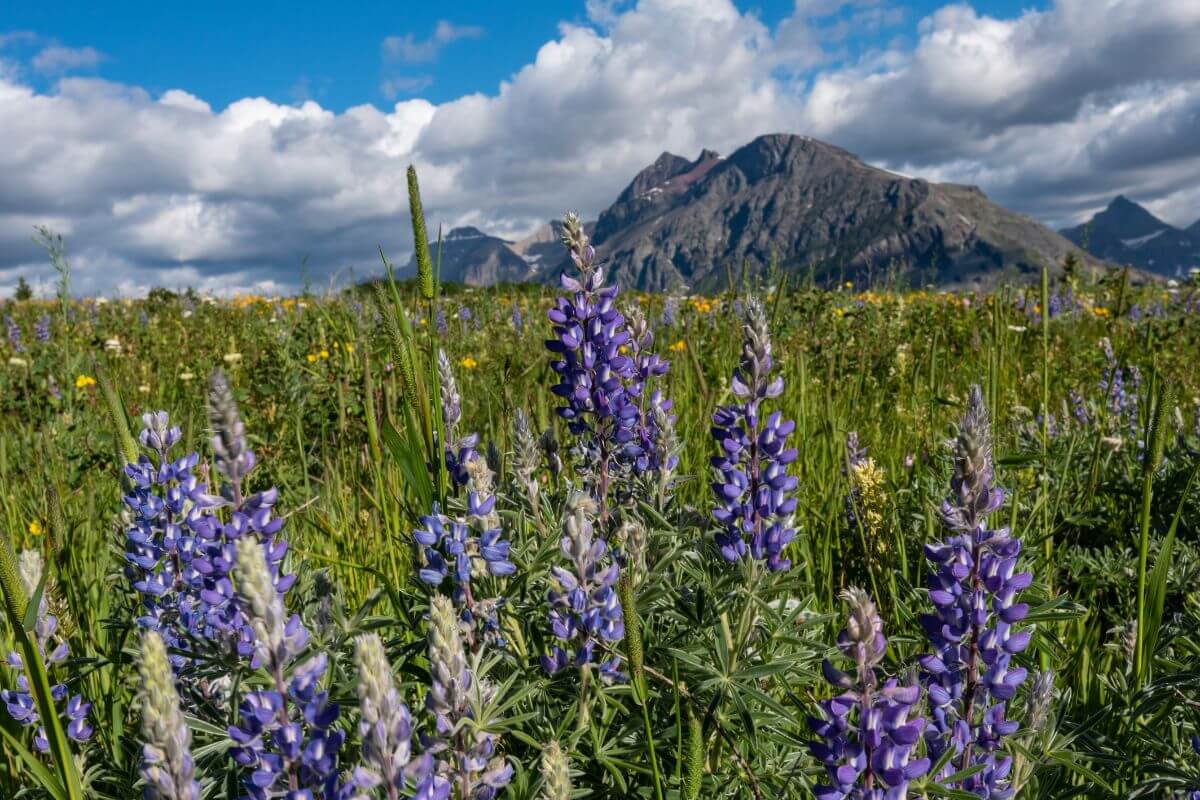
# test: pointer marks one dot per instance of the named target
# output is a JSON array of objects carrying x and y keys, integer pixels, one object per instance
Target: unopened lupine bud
[
  {"x": 233, "y": 455},
  {"x": 385, "y": 724},
  {"x": 556, "y": 774},
  {"x": 167, "y": 764},
  {"x": 277, "y": 638}
]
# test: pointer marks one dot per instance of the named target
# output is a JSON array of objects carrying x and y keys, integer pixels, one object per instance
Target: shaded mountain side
[{"x": 1126, "y": 233}]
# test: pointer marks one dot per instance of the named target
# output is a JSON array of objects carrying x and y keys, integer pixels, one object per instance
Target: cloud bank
[{"x": 1052, "y": 112}]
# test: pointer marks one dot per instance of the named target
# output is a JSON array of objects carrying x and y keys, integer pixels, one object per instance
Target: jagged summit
[{"x": 1127, "y": 233}]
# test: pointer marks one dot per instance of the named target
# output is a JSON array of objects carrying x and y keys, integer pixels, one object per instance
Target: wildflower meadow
[{"x": 415, "y": 540}]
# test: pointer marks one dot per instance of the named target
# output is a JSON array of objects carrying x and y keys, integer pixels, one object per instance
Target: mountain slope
[
  {"x": 473, "y": 257},
  {"x": 1126, "y": 233},
  {"x": 810, "y": 205}
]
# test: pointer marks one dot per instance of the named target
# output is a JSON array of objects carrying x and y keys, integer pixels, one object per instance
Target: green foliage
[{"x": 340, "y": 399}]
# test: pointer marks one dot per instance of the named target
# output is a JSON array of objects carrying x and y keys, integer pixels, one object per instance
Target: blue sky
[
  {"x": 224, "y": 51},
  {"x": 219, "y": 145}
]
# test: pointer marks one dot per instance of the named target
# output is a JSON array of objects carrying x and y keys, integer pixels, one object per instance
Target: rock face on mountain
[
  {"x": 1126, "y": 233},
  {"x": 473, "y": 257},
  {"x": 811, "y": 206}
]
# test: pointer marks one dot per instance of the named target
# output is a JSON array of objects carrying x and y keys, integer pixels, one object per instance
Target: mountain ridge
[
  {"x": 798, "y": 202},
  {"x": 1125, "y": 232}
]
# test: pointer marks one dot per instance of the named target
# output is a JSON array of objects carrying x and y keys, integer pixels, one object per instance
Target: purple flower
[
  {"x": 167, "y": 505},
  {"x": 466, "y": 550},
  {"x": 868, "y": 732},
  {"x": 19, "y": 702},
  {"x": 753, "y": 485},
  {"x": 460, "y": 450},
  {"x": 585, "y": 608},
  {"x": 385, "y": 727},
  {"x": 969, "y": 676},
  {"x": 284, "y": 738},
  {"x": 464, "y": 748},
  {"x": 600, "y": 387},
  {"x": 41, "y": 329},
  {"x": 518, "y": 322},
  {"x": 14, "y": 334}
]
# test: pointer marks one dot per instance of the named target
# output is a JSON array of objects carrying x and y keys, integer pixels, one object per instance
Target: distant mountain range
[
  {"x": 802, "y": 203},
  {"x": 1126, "y": 233}
]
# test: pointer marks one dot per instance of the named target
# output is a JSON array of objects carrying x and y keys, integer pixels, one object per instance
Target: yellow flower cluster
[
  {"x": 468, "y": 363},
  {"x": 867, "y": 478},
  {"x": 84, "y": 381},
  {"x": 703, "y": 305},
  {"x": 678, "y": 346}
]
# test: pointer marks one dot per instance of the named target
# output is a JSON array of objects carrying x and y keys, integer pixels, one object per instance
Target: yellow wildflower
[
  {"x": 324, "y": 354},
  {"x": 468, "y": 363},
  {"x": 312, "y": 357},
  {"x": 678, "y": 346},
  {"x": 84, "y": 381},
  {"x": 35, "y": 528}
]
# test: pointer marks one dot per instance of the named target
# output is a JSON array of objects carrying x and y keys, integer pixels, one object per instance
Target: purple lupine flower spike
[
  {"x": 167, "y": 506},
  {"x": 460, "y": 450},
  {"x": 386, "y": 728},
  {"x": 868, "y": 732},
  {"x": 41, "y": 329},
  {"x": 753, "y": 488},
  {"x": 465, "y": 550},
  {"x": 466, "y": 753},
  {"x": 19, "y": 702},
  {"x": 585, "y": 608},
  {"x": 284, "y": 739},
  {"x": 602, "y": 368},
  {"x": 14, "y": 335},
  {"x": 969, "y": 676}
]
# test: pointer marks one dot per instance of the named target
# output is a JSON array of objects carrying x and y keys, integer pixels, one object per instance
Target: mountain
[
  {"x": 1126, "y": 233},
  {"x": 475, "y": 258},
  {"x": 810, "y": 205}
]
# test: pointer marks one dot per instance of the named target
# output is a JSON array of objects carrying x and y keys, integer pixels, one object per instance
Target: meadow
[{"x": 419, "y": 553}]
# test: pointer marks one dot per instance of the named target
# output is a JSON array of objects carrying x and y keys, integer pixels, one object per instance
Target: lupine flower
[
  {"x": 549, "y": 446},
  {"x": 969, "y": 676},
  {"x": 556, "y": 773},
  {"x": 14, "y": 334},
  {"x": 167, "y": 504},
  {"x": 284, "y": 736},
  {"x": 19, "y": 702},
  {"x": 167, "y": 765},
  {"x": 465, "y": 751},
  {"x": 234, "y": 457},
  {"x": 598, "y": 384},
  {"x": 867, "y": 733},
  {"x": 1120, "y": 386},
  {"x": 525, "y": 456},
  {"x": 385, "y": 727},
  {"x": 518, "y": 322},
  {"x": 440, "y": 322},
  {"x": 655, "y": 410},
  {"x": 41, "y": 329},
  {"x": 669, "y": 312},
  {"x": 467, "y": 549},
  {"x": 585, "y": 609},
  {"x": 753, "y": 484},
  {"x": 459, "y": 449}
]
